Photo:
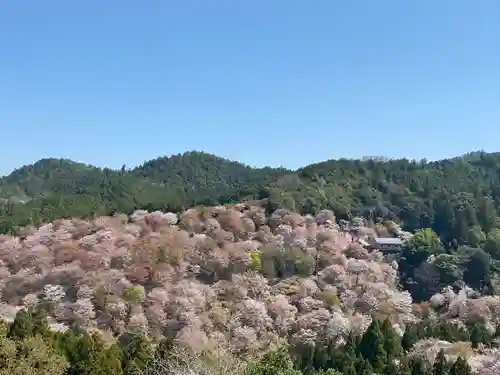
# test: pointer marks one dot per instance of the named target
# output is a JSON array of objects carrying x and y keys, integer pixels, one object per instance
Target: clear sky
[{"x": 266, "y": 82}]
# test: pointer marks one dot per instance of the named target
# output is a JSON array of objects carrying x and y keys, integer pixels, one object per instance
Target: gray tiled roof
[{"x": 388, "y": 241}]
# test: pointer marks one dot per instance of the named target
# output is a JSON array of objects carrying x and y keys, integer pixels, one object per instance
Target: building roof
[{"x": 388, "y": 241}]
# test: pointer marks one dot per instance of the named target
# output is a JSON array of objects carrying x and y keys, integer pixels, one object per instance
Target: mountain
[
  {"x": 451, "y": 196},
  {"x": 216, "y": 289},
  {"x": 459, "y": 198},
  {"x": 52, "y": 188}
]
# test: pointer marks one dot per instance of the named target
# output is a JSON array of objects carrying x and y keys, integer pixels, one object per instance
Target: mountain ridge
[
  {"x": 449, "y": 195},
  {"x": 469, "y": 155}
]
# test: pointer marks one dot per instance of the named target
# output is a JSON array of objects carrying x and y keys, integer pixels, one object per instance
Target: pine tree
[
  {"x": 111, "y": 361},
  {"x": 351, "y": 345},
  {"x": 136, "y": 353},
  {"x": 409, "y": 338},
  {"x": 392, "y": 369},
  {"x": 417, "y": 367},
  {"x": 321, "y": 357},
  {"x": 87, "y": 355},
  {"x": 392, "y": 341},
  {"x": 363, "y": 366},
  {"x": 304, "y": 357},
  {"x": 40, "y": 323},
  {"x": 308, "y": 363},
  {"x": 336, "y": 357},
  {"x": 272, "y": 363},
  {"x": 22, "y": 326},
  {"x": 460, "y": 367},
  {"x": 445, "y": 332},
  {"x": 371, "y": 347},
  {"x": 479, "y": 334},
  {"x": 348, "y": 368},
  {"x": 404, "y": 367},
  {"x": 440, "y": 364}
]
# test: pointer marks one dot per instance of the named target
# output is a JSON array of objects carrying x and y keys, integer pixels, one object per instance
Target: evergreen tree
[
  {"x": 363, "y": 366},
  {"x": 276, "y": 362},
  {"x": 479, "y": 334},
  {"x": 321, "y": 357},
  {"x": 371, "y": 347},
  {"x": 348, "y": 368},
  {"x": 404, "y": 367},
  {"x": 336, "y": 357},
  {"x": 40, "y": 323},
  {"x": 440, "y": 364},
  {"x": 308, "y": 359},
  {"x": 392, "y": 369},
  {"x": 460, "y": 367},
  {"x": 136, "y": 353},
  {"x": 351, "y": 345},
  {"x": 87, "y": 355},
  {"x": 112, "y": 361},
  {"x": 304, "y": 357},
  {"x": 417, "y": 367},
  {"x": 22, "y": 326},
  {"x": 392, "y": 341},
  {"x": 409, "y": 337}
]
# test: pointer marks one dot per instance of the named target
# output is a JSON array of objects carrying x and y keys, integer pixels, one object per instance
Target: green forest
[
  {"x": 28, "y": 347},
  {"x": 458, "y": 198}
]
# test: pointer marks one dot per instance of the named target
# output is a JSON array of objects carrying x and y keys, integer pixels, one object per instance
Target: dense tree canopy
[
  {"x": 245, "y": 277},
  {"x": 458, "y": 198}
]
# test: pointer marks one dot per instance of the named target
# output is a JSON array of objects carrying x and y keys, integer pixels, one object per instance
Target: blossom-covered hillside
[{"x": 225, "y": 277}]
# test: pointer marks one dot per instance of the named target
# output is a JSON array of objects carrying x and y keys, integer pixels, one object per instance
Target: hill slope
[
  {"x": 451, "y": 196},
  {"x": 459, "y": 198},
  {"x": 52, "y": 188},
  {"x": 231, "y": 284}
]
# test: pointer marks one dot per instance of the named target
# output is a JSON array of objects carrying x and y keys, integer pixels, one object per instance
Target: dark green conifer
[
  {"x": 111, "y": 362},
  {"x": 404, "y": 367},
  {"x": 479, "y": 334},
  {"x": 391, "y": 369},
  {"x": 82, "y": 354},
  {"x": 22, "y": 326},
  {"x": 137, "y": 353},
  {"x": 351, "y": 345},
  {"x": 417, "y": 367},
  {"x": 348, "y": 368},
  {"x": 441, "y": 366},
  {"x": 40, "y": 323},
  {"x": 371, "y": 347},
  {"x": 392, "y": 341},
  {"x": 363, "y": 366},
  {"x": 409, "y": 337},
  {"x": 273, "y": 363},
  {"x": 460, "y": 367},
  {"x": 321, "y": 357}
]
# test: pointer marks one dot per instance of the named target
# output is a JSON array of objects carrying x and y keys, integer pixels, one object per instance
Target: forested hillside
[
  {"x": 230, "y": 290},
  {"x": 57, "y": 188},
  {"x": 250, "y": 288},
  {"x": 458, "y": 198}
]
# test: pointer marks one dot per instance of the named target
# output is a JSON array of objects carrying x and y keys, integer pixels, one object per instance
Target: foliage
[
  {"x": 235, "y": 280},
  {"x": 458, "y": 198}
]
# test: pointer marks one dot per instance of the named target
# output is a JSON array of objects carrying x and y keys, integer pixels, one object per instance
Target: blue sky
[{"x": 266, "y": 82}]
